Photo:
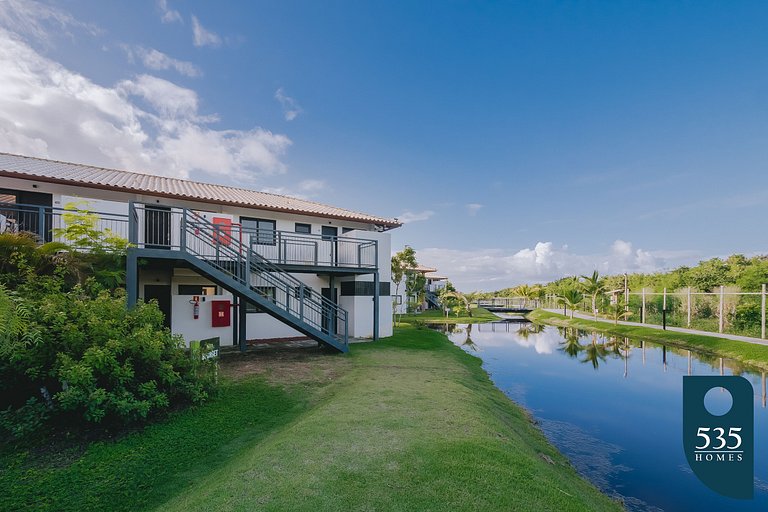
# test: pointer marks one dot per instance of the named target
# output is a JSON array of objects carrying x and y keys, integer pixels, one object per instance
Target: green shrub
[{"x": 93, "y": 361}]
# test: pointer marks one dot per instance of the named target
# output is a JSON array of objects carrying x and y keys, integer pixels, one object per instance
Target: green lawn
[
  {"x": 408, "y": 423},
  {"x": 748, "y": 353},
  {"x": 435, "y": 316}
]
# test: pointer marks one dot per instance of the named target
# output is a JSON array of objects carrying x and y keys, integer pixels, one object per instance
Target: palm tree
[
  {"x": 461, "y": 297},
  {"x": 593, "y": 286},
  {"x": 618, "y": 312},
  {"x": 526, "y": 293},
  {"x": 571, "y": 298}
]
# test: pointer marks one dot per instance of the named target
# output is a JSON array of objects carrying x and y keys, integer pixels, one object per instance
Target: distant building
[{"x": 434, "y": 283}]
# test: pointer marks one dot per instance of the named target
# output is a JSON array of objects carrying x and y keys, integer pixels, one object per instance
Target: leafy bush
[{"x": 90, "y": 360}]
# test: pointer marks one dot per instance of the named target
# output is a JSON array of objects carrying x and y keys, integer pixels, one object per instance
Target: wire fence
[{"x": 726, "y": 310}]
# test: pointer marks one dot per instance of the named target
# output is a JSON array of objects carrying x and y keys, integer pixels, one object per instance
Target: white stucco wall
[{"x": 198, "y": 329}]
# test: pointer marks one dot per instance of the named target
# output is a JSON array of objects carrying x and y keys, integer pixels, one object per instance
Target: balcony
[
  {"x": 155, "y": 227},
  {"x": 158, "y": 227}
]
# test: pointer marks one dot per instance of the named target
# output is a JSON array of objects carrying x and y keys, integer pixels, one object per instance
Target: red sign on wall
[
  {"x": 222, "y": 230},
  {"x": 221, "y": 313}
]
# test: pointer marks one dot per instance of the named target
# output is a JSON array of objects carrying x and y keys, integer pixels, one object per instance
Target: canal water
[{"x": 614, "y": 408}]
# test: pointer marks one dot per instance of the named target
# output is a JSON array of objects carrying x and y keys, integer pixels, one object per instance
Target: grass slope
[
  {"x": 435, "y": 316},
  {"x": 145, "y": 468},
  {"x": 415, "y": 424},
  {"x": 409, "y": 423},
  {"x": 748, "y": 353}
]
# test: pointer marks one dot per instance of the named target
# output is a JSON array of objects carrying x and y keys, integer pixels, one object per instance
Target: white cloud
[
  {"x": 168, "y": 99},
  {"x": 203, "y": 37},
  {"x": 291, "y": 108},
  {"x": 157, "y": 60},
  {"x": 312, "y": 185},
  {"x": 144, "y": 123},
  {"x": 38, "y": 21},
  {"x": 493, "y": 269},
  {"x": 168, "y": 15},
  {"x": 473, "y": 208},
  {"x": 408, "y": 216}
]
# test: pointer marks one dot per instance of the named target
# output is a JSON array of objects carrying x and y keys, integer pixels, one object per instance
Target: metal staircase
[
  {"x": 221, "y": 255},
  {"x": 433, "y": 300}
]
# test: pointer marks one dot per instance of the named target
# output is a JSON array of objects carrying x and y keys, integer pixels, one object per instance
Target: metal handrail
[
  {"x": 42, "y": 220},
  {"x": 231, "y": 252},
  {"x": 287, "y": 247}
]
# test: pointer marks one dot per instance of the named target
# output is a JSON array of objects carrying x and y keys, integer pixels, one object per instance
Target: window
[
  {"x": 307, "y": 292},
  {"x": 303, "y": 228},
  {"x": 196, "y": 289},
  {"x": 330, "y": 232},
  {"x": 346, "y": 230},
  {"x": 262, "y": 229}
]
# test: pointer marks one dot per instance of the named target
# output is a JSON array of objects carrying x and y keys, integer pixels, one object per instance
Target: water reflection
[{"x": 621, "y": 424}]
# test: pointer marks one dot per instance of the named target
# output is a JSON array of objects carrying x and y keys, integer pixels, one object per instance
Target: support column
[
  {"x": 332, "y": 327},
  {"x": 376, "y": 286},
  {"x": 242, "y": 324},
  {"x": 131, "y": 278},
  {"x": 642, "y": 318},
  {"x": 235, "y": 319}
]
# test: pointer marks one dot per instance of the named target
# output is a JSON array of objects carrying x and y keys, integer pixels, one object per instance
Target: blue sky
[{"x": 522, "y": 140}]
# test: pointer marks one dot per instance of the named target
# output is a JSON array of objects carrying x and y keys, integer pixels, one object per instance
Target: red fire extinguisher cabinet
[{"x": 221, "y": 313}]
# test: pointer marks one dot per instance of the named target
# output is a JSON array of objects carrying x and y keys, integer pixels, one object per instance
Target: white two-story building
[{"x": 225, "y": 262}]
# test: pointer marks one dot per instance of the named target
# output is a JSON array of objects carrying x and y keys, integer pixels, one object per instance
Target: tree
[
  {"x": 460, "y": 296},
  {"x": 401, "y": 262},
  {"x": 526, "y": 293},
  {"x": 593, "y": 286},
  {"x": 414, "y": 287},
  {"x": 570, "y": 298},
  {"x": 618, "y": 311}
]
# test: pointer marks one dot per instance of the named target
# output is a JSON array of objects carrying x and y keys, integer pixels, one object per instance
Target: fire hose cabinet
[{"x": 221, "y": 313}]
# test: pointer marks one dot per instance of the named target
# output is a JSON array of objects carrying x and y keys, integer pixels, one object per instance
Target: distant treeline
[{"x": 736, "y": 271}]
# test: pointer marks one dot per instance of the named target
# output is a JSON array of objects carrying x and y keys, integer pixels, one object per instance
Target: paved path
[{"x": 756, "y": 341}]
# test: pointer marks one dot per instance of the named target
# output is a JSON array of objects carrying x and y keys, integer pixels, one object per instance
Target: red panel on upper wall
[{"x": 223, "y": 231}]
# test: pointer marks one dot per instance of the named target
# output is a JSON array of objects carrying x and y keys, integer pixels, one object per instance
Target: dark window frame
[
  {"x": 264, "y": 236},
  {"x": 303, "y": 226},
  {"x": 199, "y": 289}
]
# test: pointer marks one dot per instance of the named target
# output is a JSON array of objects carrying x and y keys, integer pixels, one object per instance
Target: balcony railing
[
  {"x": 44, "y": 221},
  {"x": 158, "y": 227}
]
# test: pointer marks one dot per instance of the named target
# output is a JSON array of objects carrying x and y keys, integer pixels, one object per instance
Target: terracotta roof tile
[{"x": 85, "y": 175}]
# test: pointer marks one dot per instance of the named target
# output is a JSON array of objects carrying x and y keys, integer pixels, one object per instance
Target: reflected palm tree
[
  {"x": 594, "y": 353},
  {"x": 468, "y": 341},
  {"x": 570, "y": 345}
]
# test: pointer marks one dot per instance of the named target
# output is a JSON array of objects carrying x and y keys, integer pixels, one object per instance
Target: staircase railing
[{"x": 218, "y": 247}]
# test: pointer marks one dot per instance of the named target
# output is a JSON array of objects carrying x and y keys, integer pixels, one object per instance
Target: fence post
[
  {"x": 722, "y": 296},
  {"x": 642, "y": 316},
  {"x": 664, "y": 306},
  {"x": 762, "y": 331},
  {"x": 689, "y": 307}
]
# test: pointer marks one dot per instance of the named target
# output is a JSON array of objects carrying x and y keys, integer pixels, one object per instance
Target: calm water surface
[{"x": 614, "y": 408}]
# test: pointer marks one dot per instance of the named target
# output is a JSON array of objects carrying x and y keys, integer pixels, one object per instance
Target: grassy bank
[
  {"x": 748, "y": 353},
  {"x": 409, "y": 423},
  {"x": 435, "y": 316}
]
